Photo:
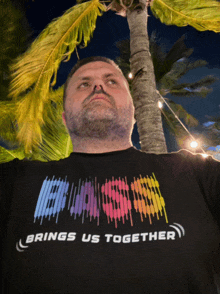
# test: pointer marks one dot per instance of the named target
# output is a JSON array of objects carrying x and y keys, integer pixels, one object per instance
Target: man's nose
[{"x": 98, "y": 87}]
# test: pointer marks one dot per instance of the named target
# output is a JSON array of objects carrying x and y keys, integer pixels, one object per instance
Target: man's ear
[{"x": 64, "y": 118}]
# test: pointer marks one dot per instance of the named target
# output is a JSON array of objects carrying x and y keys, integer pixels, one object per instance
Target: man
[
  {"x": 109, "y": 218},
  {"x": 99, "y": 111}
]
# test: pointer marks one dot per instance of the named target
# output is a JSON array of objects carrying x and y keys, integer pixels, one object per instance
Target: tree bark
[{"x": 145, "y": 97}]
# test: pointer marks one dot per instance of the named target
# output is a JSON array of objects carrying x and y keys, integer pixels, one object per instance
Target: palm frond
[
  {"x": 178, "y": 70},
  {"x": 7, "y": 121},
  {"x": 182, "y": 91},
  {"x": 189, "y": 120},
  {"x": 178, "y": 51},
  {"x": 197, "y": 88},
  {"x": 9, "y": 155},
  {"x": 172, "y": 123},
  {"x": 202, "y": 15},
  {"x": 175, "y": 128},
  {"x": 56, "y": 142},
  {"x": 206, "y": 81},
  {"x": 33, "y": 71}
]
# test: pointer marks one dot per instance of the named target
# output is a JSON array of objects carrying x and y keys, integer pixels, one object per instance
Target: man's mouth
[{"x": 99, "y": 98}]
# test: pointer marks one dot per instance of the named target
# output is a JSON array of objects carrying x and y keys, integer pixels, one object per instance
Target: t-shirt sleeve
[
  {"x": 207, "y": 173},
  {"x": 7, "y": 176}
]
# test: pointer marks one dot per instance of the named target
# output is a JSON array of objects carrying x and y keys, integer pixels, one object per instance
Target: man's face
[{"x": 98, "y": 118}]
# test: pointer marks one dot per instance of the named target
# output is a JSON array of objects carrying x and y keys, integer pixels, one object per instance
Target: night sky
[{"x": 111, "y": 28}]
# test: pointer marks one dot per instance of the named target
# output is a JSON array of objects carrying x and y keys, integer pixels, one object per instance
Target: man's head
[
  {"x": 83, "y": 62},
  {"x": 84, "y": 117}
]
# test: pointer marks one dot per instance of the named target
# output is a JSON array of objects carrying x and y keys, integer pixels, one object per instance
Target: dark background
[{"x": 111, "y": 28}]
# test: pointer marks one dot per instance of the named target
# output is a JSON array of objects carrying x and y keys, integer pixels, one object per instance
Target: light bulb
[
  {"x": 160, "y": 105},
  {"x": 194, "y": 144}
]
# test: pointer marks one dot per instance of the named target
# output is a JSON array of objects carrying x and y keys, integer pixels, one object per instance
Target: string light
[
  {"x": 130, "y": 75},
  {"x": 193, "y": 144},
  {"x": 160, "y": 105}
]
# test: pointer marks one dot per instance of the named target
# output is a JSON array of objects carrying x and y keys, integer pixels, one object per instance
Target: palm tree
[
  {"x": 15, "y": 36},
  {"x": 212, "y": 133},
  {"x": 31, "y": 87},
  {"x": 168, "y": 69}
]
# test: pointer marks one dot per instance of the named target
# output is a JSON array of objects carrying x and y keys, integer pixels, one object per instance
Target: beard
[{"x": 100, "y": 122}]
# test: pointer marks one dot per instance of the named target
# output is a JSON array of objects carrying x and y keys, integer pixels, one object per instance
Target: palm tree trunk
[{"x": 145, "y": 97}]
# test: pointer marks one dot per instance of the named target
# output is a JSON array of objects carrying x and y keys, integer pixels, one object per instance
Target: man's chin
[{"x": 100, "y": 114}]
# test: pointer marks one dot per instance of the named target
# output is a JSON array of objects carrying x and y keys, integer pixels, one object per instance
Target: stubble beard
[{"x": 98, "y": 123}]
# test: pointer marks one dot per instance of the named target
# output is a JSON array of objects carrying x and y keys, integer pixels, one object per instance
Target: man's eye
[
  {"x": 83, "y": 84},
  {"x": 113, "y": 81}
]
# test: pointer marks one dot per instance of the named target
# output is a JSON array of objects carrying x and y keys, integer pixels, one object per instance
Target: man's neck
[{"x": 97, "y": 146}]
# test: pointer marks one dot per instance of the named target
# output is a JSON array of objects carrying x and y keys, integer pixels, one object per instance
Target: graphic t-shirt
[{"x": 117, "y": 222}]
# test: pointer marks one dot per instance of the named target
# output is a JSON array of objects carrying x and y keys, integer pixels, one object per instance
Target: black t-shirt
[{"x": 117, "y": 222}]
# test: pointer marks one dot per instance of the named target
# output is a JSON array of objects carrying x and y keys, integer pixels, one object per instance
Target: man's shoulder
[
  {"x": 16, "y": 166},
  {"x": 17, "y": 161},
  {"x": 182, "y": 153},
  {"x": 182, "y": 156}
]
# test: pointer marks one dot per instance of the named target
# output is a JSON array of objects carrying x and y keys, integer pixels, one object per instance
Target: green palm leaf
[
  {"x": 201, "y": 14},
  {"x": 8, "y": 155},
  {"x": 33, "y": 71},
  {"x": 56, "y": 142},
  {"x": 7, "y": 121},
  {"x": 183, "y": 114}
]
